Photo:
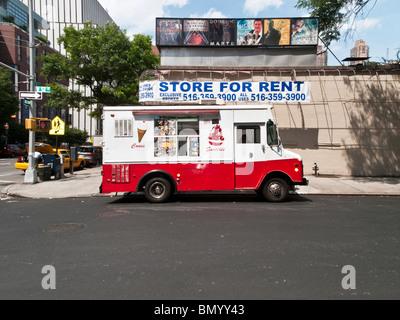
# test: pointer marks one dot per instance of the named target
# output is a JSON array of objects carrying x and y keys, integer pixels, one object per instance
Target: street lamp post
[{"x": 31, "y": 172}]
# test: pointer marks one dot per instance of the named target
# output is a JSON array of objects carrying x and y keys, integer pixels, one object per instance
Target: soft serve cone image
[{"x": 141, "y": 129}]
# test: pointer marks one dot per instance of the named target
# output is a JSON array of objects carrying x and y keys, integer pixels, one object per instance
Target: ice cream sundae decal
[
  {"x": 141, "y": 130},
  {"x": 216, "y": 138}
]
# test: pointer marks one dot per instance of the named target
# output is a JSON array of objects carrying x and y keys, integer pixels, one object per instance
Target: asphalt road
[
  {"x": 200, "y": 248},
  {"x": 8, "y": 173}
]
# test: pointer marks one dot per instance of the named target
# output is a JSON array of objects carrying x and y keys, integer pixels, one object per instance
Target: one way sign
[{"x": 30, "y": 95}]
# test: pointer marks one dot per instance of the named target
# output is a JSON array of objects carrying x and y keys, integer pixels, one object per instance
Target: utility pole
[{"x": 31, "y": 172}]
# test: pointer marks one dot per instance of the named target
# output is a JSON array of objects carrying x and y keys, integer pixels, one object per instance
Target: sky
[{"x": 378, "y": 25}]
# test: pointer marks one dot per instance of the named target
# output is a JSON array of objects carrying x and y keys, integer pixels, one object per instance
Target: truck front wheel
[
  {"x": 276, "y": 190},
  {"x": 157, "y": 190}
]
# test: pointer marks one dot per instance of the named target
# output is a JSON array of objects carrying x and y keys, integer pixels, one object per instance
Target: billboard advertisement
[
  {"x": 222, "y": 32},
  {"x": 249, "y": 32},
  {"x": 276, "y": 32},
  {"x": 304, "y": 31},
  {"x": 266, "y": 32},
  {"x": 169, "y": 32},
  {"x": 195, "y": 32}
]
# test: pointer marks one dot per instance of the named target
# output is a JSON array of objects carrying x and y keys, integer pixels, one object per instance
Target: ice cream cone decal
[{"x": 141, "y": 129}]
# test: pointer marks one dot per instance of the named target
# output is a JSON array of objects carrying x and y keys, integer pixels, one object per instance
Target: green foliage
[
  {"x": 8, "y": 102},
  {"x": 73, "y": 137},
  {"x": 333, "y": 15},
  {"x": 103, "y": 59},
  {"x": 17, "y": 133}
]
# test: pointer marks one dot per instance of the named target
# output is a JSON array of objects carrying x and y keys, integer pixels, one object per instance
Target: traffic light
[
  {"x": 30, "y": 124},
  {"x": 44, "y": 125},
  {"x": 38, "y": 124}
]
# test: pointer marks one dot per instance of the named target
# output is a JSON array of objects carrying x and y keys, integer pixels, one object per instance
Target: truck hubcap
[
  {"x": 157, "y": 190},
  {"x": 275, "y": 189}
]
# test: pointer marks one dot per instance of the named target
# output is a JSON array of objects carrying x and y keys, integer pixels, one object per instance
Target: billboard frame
[{"x": 236, "y": 45}]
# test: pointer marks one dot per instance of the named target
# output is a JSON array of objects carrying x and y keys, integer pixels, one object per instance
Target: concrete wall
[
  {"x": 350, "y": 127},
  {"x": 237, "y": 56}
]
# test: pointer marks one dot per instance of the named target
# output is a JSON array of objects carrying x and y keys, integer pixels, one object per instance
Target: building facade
[
  {"x": 14, "y": 52},
  {"x": 64, "y": 13},
  {"x": 360, "y": 50}
]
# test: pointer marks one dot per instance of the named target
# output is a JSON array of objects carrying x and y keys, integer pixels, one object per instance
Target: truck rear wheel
[
  {"x": 276, "y": 190},
  {"x": 157, "y": 190}
]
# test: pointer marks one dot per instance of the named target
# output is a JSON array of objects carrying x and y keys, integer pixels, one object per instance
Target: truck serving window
[
  {"x": 176, "y": 136},
  {"x": 247, "y": 134}
]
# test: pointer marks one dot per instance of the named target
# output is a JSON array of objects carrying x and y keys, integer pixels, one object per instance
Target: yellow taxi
[{"x": 44, "y": 148}]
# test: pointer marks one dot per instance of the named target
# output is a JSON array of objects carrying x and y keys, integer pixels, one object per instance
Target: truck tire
[
  {"x": 157, "y": 190},
  {"x": 276, "y": 190}
]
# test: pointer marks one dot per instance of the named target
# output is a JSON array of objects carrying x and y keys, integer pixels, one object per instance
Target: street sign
[
  {"x": 30, "y": 95},
  {"x": 43, "y": 89},
  {"x": 57, "y": 127}
]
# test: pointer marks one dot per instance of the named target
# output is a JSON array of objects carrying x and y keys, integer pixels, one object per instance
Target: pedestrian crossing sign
[{"x": 57, "y": 127}]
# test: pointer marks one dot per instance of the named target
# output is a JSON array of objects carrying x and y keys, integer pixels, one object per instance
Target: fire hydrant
[{"x": 315, "y": 169}]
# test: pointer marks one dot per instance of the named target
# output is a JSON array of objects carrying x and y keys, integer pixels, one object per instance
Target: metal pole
[{"x": 31, "y": 172}]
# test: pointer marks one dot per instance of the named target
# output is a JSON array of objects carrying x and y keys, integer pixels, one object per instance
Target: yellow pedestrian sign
[{"x": 57, "y": 127}]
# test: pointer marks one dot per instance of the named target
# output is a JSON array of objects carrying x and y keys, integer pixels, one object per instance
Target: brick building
[{"x": 14, "y": 52}]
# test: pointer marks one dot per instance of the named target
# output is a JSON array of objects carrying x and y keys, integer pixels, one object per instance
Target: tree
[
  {"x": 8, "y": 102},
  {"x": 103, "y": 59},
  {"x": 334, "y": 14}
]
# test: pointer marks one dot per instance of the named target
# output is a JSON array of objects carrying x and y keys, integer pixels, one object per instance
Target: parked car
[
  {"x": 12, "y": 150},
  {"x": 22, "y": 162},
  {"x": 93, "y": 155}
]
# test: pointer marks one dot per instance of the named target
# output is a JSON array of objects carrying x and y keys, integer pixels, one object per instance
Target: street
[
  {"x": 202, "y": 247},
  {"x": 8, "y": 173}
]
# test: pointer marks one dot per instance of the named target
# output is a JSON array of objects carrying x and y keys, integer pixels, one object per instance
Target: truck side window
[
  {"x": 176, "y": 136},
  {"x": 123, "y": 128},
  {"x": 247, "y": 134}
]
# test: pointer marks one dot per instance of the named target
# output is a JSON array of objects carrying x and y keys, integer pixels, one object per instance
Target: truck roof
[{"x": 199, "y": 108}]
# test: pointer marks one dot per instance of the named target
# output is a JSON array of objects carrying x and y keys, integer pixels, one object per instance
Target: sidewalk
[{"x": 86, "y": 183}]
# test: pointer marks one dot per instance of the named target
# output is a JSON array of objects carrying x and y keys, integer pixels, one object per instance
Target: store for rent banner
[{"x": 274, "y": 91}]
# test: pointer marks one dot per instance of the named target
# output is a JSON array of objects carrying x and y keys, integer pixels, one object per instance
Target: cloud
[
  {"x": 138, "y": 16},
  {"x": 212, "y": 13},
  {"x": 362, "y": 25},
  {"x": 254, "y": 7}
]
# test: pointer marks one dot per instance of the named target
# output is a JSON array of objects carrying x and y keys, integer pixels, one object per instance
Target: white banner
[{"x": 274, "y": 91}]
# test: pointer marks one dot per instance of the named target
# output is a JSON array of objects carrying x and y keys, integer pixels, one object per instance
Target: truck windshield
[{"x": 272, "y": 134}]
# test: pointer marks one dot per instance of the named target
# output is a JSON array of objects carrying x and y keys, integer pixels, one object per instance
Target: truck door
[{"x": 249, "y": 155}]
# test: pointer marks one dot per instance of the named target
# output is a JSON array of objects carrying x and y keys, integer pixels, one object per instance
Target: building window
[{"x": 19, "y": 48}]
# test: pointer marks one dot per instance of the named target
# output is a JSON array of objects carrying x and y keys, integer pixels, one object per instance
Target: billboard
[
  {"x": 249, "y": 32},
  {"x": 304, "y": 31},
  {"x": 195, "y": 32},
  {"x": 276, "y": 32},
  {"x": 169, "y": 32},
  {"x": 222, "y": 32},
  {"x": 266, "y": 32}
]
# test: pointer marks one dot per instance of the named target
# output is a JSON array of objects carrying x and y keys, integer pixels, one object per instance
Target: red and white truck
[{"x": 161, "y": 150}]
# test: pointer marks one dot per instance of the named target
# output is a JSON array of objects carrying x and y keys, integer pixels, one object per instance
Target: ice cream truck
[{"x": 162, "y": 150}]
